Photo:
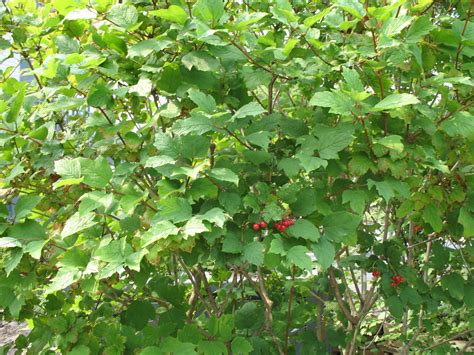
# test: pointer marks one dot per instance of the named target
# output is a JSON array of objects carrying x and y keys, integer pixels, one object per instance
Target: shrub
[{"x": 242, "y": 177}]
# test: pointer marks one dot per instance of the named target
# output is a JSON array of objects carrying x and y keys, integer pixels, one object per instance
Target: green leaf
[
  {"x": 77, "y": 223},
  {"x": 63, "y": 103},
  {"x": 467, "y": 221},
  {"x": 173, "y": 14},
  {"x": 68, "y": 168},
  {"x": 390, "y": 188},
  {"x": 290, "y": 166},
  {"x": 95, "y": 200},
  {"x": 409, "y": 295},
  {"x": 212, "y": 347},
  {"x": 232, "y": 244},
  {"x": 197, "y": 124},
  {"x": 67, "y": 44},
  {"x": 224, "y": 174},
  {"x": 100, "y": 96},
  {"x": 420, "y": 28},
  {"x": 353, "y": 7},
  {"x": 11, "y": 259},
  {"x": 175, "y": 209},
  {"x": 64, "y": 278},
  {"x": 338, "y": 102},
  {"x": 25, "y": 205},
  {"x": 298, "y": 256},
  {"x": 247, "y": 19},
  {"x": 142, "y": 88},
  {"x": 332, "y": 140},
  {"x": 28, "y": 230},
  {"x": 356, "y": 198},
  {"x": 123, "y": 15},
  {"x": 306, "y": 202},
  {"x": 277, "y": 246},
  {"x": 431, "y": 215},
  {"x": 200, "y": 60},
  {"x": 309, "y": 162},
  {"x": 261, "y": 139},
  {"x": 395, "y": 101},
  {"x": 245, "y": 316},
  {"x": 395, "y": 307},
  {"x": 304, "y": 229},
  {"x": 194, "y": 226},
  {"x": 216, "y": 216},
  {"x": 253, "y": 253},
  {"x": 209, "y": 10},
  {"x": 150, "y": 350},
  {"x": 205, "y": 102},
  {"x": 97, "y": 173},
  {"x": 158, "y": 231},
  {"x": 74, "y": 258},
  {"x": 392, "y": 142},
  {"x": 147, "y": 47},
  {"x": 241, "y": 346},
  {"x": 155, "y": 162},
  {"x": 341, "y": 226},
  {"x": 352, "y": 78},
  {"x": 138, "y": 314},
  {"x": 395, "y": 25},
  {"x": 15, "y": 106},
  {"x": 461, "y": 124},
  {"x": 251, "y": 109},
  {"x": 325, "y": 252},
  {"x": 454, "y": 284},
  {"x": 7, "y": 242}
]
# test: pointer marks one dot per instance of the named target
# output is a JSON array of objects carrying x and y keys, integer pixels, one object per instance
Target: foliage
[{"x": 150, "y": 136}]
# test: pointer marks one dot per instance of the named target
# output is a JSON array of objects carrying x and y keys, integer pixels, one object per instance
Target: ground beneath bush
[{"x": 10, "y": 330}]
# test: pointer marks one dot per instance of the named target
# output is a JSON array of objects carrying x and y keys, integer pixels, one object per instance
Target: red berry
[
  {"x": 291, "y": 222},
  {"x": 263, "y": 224},
  {"x": 375, "y": 273},
  {"x": 394, "y": 277},
  {"x": 287, "y": 223},
  {"x": 400, "y": 279},
  {"x": 256, "y": 227},
  {"x": 393, "y": 284}
]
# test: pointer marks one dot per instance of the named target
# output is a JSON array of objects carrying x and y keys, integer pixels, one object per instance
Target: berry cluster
[
  {"x": 396, "y": 280},
  {"x": 375, "y": 274},
  {"x": 284, "y": 223},
  {"x": 257, "y": 226}
]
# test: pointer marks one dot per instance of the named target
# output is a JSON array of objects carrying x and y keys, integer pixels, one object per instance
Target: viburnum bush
[{"x": 239, "y": 177}]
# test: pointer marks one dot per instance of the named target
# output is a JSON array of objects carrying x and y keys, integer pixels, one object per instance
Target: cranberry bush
[{"x": 245, "y": 177}]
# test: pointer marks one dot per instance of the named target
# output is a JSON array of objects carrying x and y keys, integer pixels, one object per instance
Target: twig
[
  {"x": 458, "y": 51},
  {"x": 207, "y": 287},
  {"x": 288, "y": 317},
  {"x": 386, "y": 222},
  {"x": 270, "y": 95},
  {"x": 195, "y": 285},
  {"x": 454, "y": 337},
  {"x": 267, "y": 302},
  {"x": 337, "y": 293}
]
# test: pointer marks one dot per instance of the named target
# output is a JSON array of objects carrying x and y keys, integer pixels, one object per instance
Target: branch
[
  {"x": 207, "y": 287},
  {"x": 268, "y": 303},
  {"x": 254, "y": 62},
  {"x": 196, "y": 286},
  {"x": 340, "y": 301},
  {"x": 288, "y": 318},
  {"x": 458, "y": 51},
  {"x": 270, "y": 95},
  {"x": 454, "y": 337}
]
